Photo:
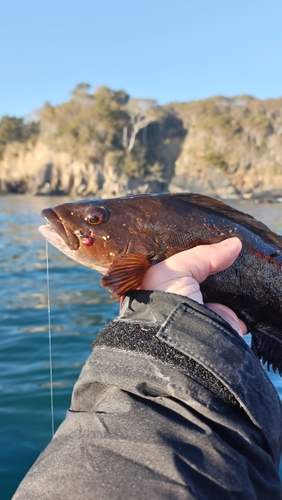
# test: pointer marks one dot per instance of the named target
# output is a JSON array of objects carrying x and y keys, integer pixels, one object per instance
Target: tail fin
[{"x": 268, "y": 350}]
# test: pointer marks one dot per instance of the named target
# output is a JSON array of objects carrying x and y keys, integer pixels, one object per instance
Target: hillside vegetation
[{"x": 105, "y": 143}]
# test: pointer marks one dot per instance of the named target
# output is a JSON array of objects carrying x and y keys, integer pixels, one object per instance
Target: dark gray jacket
[{"x": 171, "y": 404}]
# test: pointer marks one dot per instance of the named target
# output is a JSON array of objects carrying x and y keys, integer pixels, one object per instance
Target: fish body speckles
[{"x": 123, "y": 237}]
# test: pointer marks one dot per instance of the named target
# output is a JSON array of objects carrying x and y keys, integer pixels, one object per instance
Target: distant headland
[{"x": 106, "y": 144}]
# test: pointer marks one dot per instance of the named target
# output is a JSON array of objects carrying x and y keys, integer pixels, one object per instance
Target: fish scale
[{"x": 125, "y": 236}]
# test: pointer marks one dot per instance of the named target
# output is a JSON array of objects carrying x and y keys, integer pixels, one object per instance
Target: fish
[{"x": 122, "y": 237}]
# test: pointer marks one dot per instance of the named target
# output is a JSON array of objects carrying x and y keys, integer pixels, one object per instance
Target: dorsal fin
[{"x": 220, "y": 208}]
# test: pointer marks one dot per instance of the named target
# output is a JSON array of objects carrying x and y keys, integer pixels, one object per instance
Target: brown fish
[{"x": 123, "y": 237}]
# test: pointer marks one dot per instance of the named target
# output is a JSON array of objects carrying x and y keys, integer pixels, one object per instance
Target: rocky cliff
[
  {"x": 233, "y": 147},
  {"x": 109, "y": 145},
  {"x": 40, "y": 170}
]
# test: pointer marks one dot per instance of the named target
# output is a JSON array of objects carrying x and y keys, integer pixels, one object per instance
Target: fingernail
[{"x": 228, "y": 242}]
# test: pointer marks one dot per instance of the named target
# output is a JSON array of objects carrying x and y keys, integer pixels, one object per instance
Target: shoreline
[{"x": 264, "y": 197}]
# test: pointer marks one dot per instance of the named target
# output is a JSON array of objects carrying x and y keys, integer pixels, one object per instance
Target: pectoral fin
[{"x": 126, "y": 273}]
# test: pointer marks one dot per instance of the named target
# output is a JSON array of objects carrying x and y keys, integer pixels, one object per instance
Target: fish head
[
  {"x": 86, "y": 232},
  {"x": 95, "y": 232}
]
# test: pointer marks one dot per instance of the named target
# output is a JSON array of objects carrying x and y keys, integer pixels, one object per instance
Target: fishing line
[{"x": 50, "y": 340}]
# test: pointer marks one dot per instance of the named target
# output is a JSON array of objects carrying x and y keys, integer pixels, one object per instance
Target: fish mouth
[{"x": 55, "y": 223}]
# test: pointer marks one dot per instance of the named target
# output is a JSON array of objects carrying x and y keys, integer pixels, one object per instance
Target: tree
[
  {"x": 81, "y": 88},
  {"x": 10, "y": 130},
  {"x": 139, "y": 113},
  {"x": 14, "y": 129},
  {"x": 81, "y": 93}
]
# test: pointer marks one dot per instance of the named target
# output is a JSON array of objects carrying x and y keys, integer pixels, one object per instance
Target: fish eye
[
  {"x": 93, "y": 219},
  {"x": 96, "y": 216}
]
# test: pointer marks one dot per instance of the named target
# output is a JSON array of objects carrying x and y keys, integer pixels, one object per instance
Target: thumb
[{"x": 201, "y": 261}]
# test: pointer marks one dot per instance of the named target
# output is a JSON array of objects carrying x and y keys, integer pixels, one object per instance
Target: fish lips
[{"x": 67, "y": 234}]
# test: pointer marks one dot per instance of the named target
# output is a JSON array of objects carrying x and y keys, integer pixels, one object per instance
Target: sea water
[{"x": 79, "y": 309}]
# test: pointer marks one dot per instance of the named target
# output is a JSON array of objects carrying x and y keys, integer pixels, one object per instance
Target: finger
[
  {"x": 198, "y": 262},
  {"x": 201, "y": 261},
  {"x": 230, "y": 317},
  {"x": 210, "y": 259},
  {"x": 224, "y": 254}
]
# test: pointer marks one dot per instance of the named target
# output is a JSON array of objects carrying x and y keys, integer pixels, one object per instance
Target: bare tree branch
[{"x": 140, "y": 117}]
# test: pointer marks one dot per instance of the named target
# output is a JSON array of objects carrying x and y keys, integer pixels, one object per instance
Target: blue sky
[{"x": 170, "y": 50}]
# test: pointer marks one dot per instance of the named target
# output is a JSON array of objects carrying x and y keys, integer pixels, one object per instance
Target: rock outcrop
[
  {"x": 221, "y": 147},
  {"x": 233, "y": 147},
  {"x": 39, "y": 170}
]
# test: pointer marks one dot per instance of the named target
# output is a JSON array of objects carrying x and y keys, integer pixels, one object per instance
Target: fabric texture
[{"x": 171, "y": 404}]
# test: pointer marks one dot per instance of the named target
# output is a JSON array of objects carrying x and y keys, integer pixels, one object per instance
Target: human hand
[{"x": 185, "y": 271}]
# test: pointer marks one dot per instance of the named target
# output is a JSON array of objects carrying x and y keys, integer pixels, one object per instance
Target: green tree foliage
[
  {"x": 87, "y": 126},
  {"x": 231, "y": 133},
  {"x": 103, "y": 123},
  {"x": 13, "y": 129},
  {"x": 93, "y": 125},
  {"x": 81, "y": 89},
  {"x": 147, "y": 138},
  {"x": 134, "y": 163},
  {"x": 10, "y": 130}
]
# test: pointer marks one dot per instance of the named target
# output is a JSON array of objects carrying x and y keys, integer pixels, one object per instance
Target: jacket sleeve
[{"x": 173, "y": 404}]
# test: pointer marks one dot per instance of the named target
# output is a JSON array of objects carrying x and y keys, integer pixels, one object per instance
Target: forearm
[{"x": 168, "y": 405}]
